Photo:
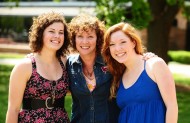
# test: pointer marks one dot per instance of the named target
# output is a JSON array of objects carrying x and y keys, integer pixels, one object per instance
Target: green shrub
[
  {"x": 179, "y": 56},
  {"x": 5, "y": 71},
  {"x": 182, "y": 79}
]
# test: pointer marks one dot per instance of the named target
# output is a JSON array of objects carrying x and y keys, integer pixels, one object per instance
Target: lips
[
  {"x": 120, "y": 54},
  {"x": 55, "y": 41},
  {"x": 85, "y": 47}
]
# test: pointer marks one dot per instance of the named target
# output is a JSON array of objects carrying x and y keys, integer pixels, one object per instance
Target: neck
[
  {"x": 134, "y": 62},
  {"x": 48, "y": 54},
  {"x": 88, "y": 63},
  {"x": 46, "y": 58}
]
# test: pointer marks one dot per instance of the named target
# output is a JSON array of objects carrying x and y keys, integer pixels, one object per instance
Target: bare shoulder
[
  {"x": 156, "y": 66},
  {"x": 156, "y": 61},
  {"x": 26, "y": 62},
  {"x": 23, "y": 67}
]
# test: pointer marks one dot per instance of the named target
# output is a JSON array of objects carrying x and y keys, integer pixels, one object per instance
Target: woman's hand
[{"x": 148, "y": 55}]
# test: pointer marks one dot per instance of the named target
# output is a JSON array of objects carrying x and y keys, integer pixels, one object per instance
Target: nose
[
  {"x": 56, "y": 35},
  {"x": 118, "y": 47},
  {"x": 85, "y": 40}
]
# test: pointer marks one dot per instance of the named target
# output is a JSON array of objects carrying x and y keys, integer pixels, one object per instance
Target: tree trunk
[
  {"x": 159, "y": 28},
  {"x": 158, "y": 35},
  {"x": 187, "y": 45}
]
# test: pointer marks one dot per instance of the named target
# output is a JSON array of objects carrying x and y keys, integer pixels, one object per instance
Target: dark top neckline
[{"x": 35, "y": 69}]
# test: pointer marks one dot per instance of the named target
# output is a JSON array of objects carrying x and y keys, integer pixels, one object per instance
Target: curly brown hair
[
  {"x": 40, "y": 23},
  {"x": 130, "y": 31},
  {"x": 86, "y": 22}
]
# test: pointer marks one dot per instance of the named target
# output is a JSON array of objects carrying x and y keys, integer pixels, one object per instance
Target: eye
[
  {"x": 124, "y": 42},
  {"x": 79, "y": 35},
  {"x": 51, "y": 31},
  {"x": 111, "y": 44},
  {"x": 90, "y": 37},
  {"x": 61, "y": 32}
]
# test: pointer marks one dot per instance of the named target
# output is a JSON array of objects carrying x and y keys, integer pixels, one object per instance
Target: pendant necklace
[
  {"x": 54, "y": 83},
  {"x": 89, "y": 73}
]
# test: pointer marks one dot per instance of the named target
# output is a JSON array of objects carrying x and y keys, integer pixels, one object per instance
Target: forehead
[
  {"x": 118, "y": 36},
  {"x": 58, "y": 25},
  {"x": 87, "y": 31}
]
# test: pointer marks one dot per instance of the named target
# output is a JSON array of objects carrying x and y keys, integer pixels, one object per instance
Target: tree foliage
[
  {"x": 156, "y": 15},
  {"x": 186, "y": 11},
  {"x": 137, "y": 12},
  {"x": 134, "y": 11}
]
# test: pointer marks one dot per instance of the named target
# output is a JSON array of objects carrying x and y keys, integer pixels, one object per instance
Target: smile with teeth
[
  {"x": 53, "y": 41},
  {"x": 85, "y": 47},
  {"x": 120, "y": 54}
]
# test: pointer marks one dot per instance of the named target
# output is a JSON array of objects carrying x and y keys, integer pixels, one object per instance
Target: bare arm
[
  {"x": 17, "y": 83},
  {"x": 166, "y": 84}
]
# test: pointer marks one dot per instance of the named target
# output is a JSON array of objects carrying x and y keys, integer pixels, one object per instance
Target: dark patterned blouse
[{"x": 41, "y": 88}]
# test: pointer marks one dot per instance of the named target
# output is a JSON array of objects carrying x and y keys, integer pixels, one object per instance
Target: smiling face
[
  {"x": 86, "y": 42},
  {"x": 53, "y": 36},
  {"x": 121, "y": 46}
]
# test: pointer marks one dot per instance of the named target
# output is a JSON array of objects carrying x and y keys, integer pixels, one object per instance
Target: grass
[
  {"x": 184, "y": 107},
  {"x": 183, "y": 98},
  {"x": 68, "y": 101},
  {"x": 5, "y": 71},
  {"x": 4, "y": 80}
]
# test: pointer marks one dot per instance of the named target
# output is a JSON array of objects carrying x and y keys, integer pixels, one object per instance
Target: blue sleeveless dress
[{"x": 141, "y": 102}]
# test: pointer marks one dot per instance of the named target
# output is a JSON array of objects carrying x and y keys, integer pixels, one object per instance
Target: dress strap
[
  {"x": 144, "y": 64},
  {"x": 61, "y": 63},
  {"x": 31, "y": 56}
]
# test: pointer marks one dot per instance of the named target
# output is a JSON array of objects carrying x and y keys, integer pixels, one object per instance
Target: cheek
[
  {"x": 111, "y": 51},
  {"x": 62, "y": 37},
  {"x": 46, "y": 36},
  {"x": 63, "y": 40},
  {"x": 77, "y": 44},
  {"x": 93, "y": 41}
]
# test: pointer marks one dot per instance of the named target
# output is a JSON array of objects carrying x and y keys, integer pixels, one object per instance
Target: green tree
[{"x": 156, "y": 15}]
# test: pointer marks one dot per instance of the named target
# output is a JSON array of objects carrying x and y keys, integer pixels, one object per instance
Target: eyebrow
[
  {"x": 111, "y": 42},
  {"x": 54, "y": 29}
]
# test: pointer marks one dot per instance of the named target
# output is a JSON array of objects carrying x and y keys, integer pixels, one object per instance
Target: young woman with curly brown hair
[{"x": 39, "y": 82}]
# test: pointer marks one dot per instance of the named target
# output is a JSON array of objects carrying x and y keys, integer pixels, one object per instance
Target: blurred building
[
  {"x": 25, "y": 8},
  {"x": 16, "y": 18}
]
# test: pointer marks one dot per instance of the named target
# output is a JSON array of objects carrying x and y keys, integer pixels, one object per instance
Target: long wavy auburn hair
[{"x": 117, "y": 69}]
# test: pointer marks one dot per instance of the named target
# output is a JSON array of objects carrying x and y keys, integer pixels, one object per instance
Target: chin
[{"x": 121, "y": 61}]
